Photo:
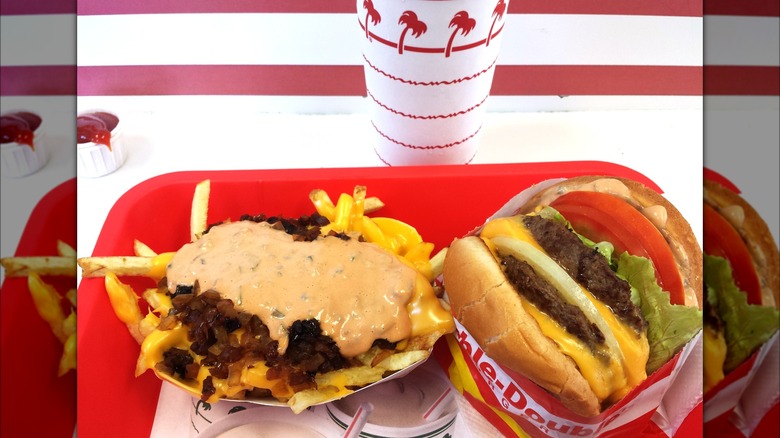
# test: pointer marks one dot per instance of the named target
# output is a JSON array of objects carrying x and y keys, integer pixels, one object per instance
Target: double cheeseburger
[
  {"x": 592, "y": 285},
  {"x": 275, "y": 308},
  {"x": 742, "y": 279}
]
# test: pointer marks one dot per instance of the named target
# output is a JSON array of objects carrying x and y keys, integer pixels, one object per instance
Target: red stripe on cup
[
  {"x": 348, "y": 80},
  {"x": 38, "y": 7},
  {"x": 602, "y": 7},
  {"x": 426, "y": 147},
  {"x": 43, "y": 80},
  {"x": 426, "y": 116},
  {"x": 430, "y": 83},
  {"x": 741, "y": 80}
]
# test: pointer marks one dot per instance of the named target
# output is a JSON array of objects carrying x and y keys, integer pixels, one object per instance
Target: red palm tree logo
[
  {"x": 498, "y": 13},
  {"x": 409, "y": 19},
  {"x": 371, "y": 14},
  {"x": 463, "y": 23}
]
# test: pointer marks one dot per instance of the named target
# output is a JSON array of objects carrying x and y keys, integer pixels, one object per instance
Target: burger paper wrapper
[
  {"x": 517, "y": 406},
  {"x": 745, "y": 396},
  {"x": 429, "y": 68}
]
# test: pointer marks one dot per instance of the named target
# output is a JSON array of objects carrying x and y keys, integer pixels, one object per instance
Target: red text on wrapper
[
  {"x": 517, "y": 401},
  {"x": 512, "y": 397}
]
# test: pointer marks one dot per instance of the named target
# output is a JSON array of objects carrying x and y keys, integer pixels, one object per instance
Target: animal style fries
[
  {"x": 48, "y": 302},
  {"x": 304, "y": 360}
]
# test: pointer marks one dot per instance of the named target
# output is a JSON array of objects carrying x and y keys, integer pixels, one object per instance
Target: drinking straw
[{"x": 359, "y": 420}]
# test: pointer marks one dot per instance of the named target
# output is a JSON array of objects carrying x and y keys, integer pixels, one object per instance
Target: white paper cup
[
  {"x": 96, "y": 160},
  {"x": 429, "y": 68}
]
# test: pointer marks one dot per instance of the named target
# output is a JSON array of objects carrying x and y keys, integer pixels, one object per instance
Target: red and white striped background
[
  {"x": 629, "y": 52},
  {"x": 306, "y": 48}
]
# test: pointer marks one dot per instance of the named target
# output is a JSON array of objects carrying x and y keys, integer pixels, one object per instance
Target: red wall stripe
[
  {"x": 272, "y": 80},
  {"x": 311, "y": 80},
  {"x": 753, "y": 8},
  {"x": 727, "y": 80},
  {"x": 37, "y": 7},
  {"x": 604, "y": 7},
  {"x": 47, "y": 80},
  {"x": 597, "y": 80}
]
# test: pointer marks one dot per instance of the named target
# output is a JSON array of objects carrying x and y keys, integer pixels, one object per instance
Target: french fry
[
  {"x": 71, "y": 295},
  {"x": 65, "y": 250},
  {"x": 322, "y": 203},
  {"x": 129, "y": 266},
  {"x": 200, "y": 209},
  {"x": 358, "y": 210},
  {"x": 372, "y": 204},
  {"x": 23, "y": 266},
  {"x": 399, "y": 361},
  {"x": 125, "y": 303},
  {"x": 47, "y": 302},
  {"x": 437, "y": 262},
  {"x": 159, "y": 302},
  {"x": 140, "y": 249},
  {"x": 68, "y": 359},
  {"x": 348, "y": 215},
  {"x": 69, "y": 324}
]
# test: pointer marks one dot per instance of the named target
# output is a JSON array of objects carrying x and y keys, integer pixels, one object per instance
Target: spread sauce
[{"x": 358, "y": 291}]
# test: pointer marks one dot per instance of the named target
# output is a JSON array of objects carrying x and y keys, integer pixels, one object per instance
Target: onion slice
[{"x": 569, "y": 289}]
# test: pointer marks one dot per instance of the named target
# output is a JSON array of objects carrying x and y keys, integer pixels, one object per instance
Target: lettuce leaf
[
  {"x": 747, "y": 326},
  {"x": 670, "y": 326}
]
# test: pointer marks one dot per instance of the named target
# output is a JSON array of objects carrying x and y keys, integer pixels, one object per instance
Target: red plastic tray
[
  {"x": 35, "y": 402},
  {"x": 442, "y": 202}
]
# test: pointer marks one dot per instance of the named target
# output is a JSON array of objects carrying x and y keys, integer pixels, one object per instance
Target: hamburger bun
[{"x": 527, "y": 337}]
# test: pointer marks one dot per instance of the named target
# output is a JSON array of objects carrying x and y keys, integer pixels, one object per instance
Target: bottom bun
[{"x": 484, "y": 301}]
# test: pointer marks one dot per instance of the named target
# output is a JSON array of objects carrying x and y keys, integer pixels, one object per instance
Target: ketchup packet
[{"x": 517, "y": 406}]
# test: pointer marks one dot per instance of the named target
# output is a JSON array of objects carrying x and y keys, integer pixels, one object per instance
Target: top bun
[
  {"x": 757, "y": 237},
  {"x": 677, "y": 231}
]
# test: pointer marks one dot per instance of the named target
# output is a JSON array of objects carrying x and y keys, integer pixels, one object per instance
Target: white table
[{"x": 663, "y": 145}]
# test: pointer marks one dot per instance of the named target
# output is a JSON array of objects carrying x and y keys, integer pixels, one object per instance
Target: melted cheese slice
[
  {"x": 714, "y": 351},
  {"x": 609, "y": 379},
  {"x": 160, "y": 341}
]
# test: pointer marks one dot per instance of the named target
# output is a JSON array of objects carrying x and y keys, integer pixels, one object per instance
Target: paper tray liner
[{"x": 442, "y": 202}]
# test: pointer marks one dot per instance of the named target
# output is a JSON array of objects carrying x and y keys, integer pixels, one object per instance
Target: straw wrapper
[{"x": 517, "y": 406}]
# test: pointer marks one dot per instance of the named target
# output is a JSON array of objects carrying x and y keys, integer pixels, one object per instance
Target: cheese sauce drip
[{"x": 358, "y": 291}]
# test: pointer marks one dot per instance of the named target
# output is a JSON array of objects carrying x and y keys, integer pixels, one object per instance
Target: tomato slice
[
  {"x": 721, "y": 239},
  {"x": 604, "y": 217}
]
